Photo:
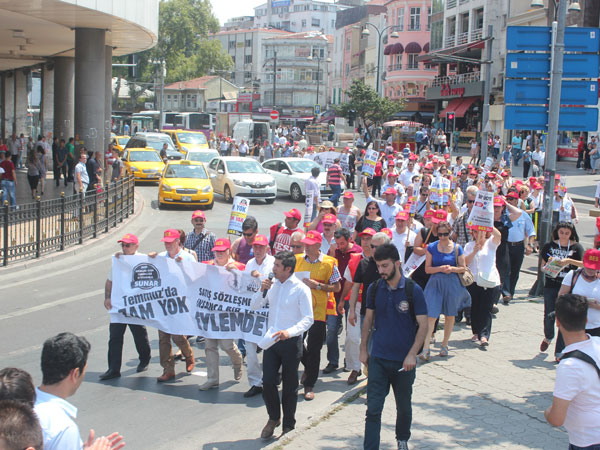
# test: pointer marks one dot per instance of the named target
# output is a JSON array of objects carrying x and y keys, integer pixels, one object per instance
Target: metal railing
[
  {"x": 470, "y": 77},
  {"x": 45, "y": 226},
  {"x": 451, "y": 4},
  {"x": 463, "y": 38},
  {"x": 450, "y": 41},
  {"x": 477, "y": 34},
  {"x": 393, "y": 67}
]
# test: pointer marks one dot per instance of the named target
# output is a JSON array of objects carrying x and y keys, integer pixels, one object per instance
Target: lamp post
[
  {"x": 365, "y": 32},
  {"x": 319, "y": 59},
  {"x": 558, "y": 49},
  {"x": 162, "y": 67}
]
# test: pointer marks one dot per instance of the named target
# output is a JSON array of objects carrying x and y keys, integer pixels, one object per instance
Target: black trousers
[
  {"x": 516, "y": 253},
  {"x": 285, "y": 354},
  {"x": 61, "y": 170},
  {"x": 579, "y": 159},
  {"x": 526, "y": 167},
  {"x": 482, "y": 300},
  {"x": 115, "y": 344},
  {"x": 311, "y": 356}
]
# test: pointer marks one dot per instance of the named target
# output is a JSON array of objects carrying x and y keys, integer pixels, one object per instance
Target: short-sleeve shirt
[
  {"x": 441, "y": 259},
  {"x": 81, "y": 169},
  {"x": 335, "y": 174},
  {"x": 552, "y": 249},
  {"x": 9, "y": 169},
  {"x": 394, "y": 327},
  {"x": 366, "y": 274}
]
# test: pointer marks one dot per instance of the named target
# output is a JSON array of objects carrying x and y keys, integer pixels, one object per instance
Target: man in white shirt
[
  {"x": 389, "y": 208},
  {"x": 260, "y": 266},
  {"x": 243, "y": 148},
  {"x": 407, "y": 174},
  {"x": 576, "y": 397},
  {"x": 290, "y": 316},
  {"x": 312, "y": 188},
  {"x": 402, "y": 236},
  {"x": 64, "y": 360}
]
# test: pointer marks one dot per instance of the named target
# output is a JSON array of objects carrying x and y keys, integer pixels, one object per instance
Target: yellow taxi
[
  {"x": 145, "y": 164},
  {"x": 185, "y": 182},
  {"x": 186, "y": 140},
  {"x": 119, "y": 143}
]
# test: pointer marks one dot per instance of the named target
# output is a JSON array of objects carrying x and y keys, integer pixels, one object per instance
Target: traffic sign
[
  {"x": 537, "y": 92},
  {"x": 536, "y": 118},
  {"x": 317, "y": 110},
  {"x": 537, "y": 65},
  {"x": 274, "y": 115},
  {"x": 539, "y": 39}
]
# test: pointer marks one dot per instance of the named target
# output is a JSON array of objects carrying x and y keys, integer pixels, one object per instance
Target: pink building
[{"x": 405, "y": 76}]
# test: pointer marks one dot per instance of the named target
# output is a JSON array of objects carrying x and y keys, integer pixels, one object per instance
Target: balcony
[
  {"x": 462, "y": 2},
  {"x": 451, "y": 4},
  {"x": 476, "y": 35},
  {"x": 449, "y": 42},
  {"x": 463, "y": 38},
  {"x": 471, "y": 77},
  {"x": 393, "y": 67}
]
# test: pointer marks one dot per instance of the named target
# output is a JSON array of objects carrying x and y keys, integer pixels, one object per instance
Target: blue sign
[
  {"x": 539, "y": 39},
  {"x": 537, "y": 92},
  {"x": 317, "y": 110},
  {"x": 536, "y": 118},
  {"x": 537, "y": 65}
]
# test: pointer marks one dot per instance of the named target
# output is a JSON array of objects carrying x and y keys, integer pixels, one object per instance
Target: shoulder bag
[{"x": 466, "y": 278}]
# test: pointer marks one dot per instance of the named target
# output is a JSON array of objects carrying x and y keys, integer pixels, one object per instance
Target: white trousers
[
  {"x": 352, "y": 343},
  {"x": 254, "y": 369}
]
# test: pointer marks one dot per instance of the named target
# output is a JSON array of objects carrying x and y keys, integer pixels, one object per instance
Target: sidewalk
[
  {"x": 477, "y": 399},
  {"x": 51, "y": 191}
]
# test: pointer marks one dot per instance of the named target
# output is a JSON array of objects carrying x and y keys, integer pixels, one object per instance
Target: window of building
[
  {"x": 318, "y": 52},
  {"x": 428, "y": 19},
  {"x": 347, "y": 69},
  {"x": 231, "y": 45},
  {"x": 233, "y": 59},
  {"x": 303, "y": 23},
  {"x": 412, "y": 89},
  {"x": 248, "y": 42},
  {"x": 332, "y": 23},
  {"x": 400, "y": 19},
  {"x": 415, "y": 19},
  {"x": 412, "y": 63},
  {"x": 479, "y": 19},
  {"x": 248, "y": 59},
  {"x": 315, "y": 22},
  {"x": 248, "y": 75},
  {"x": 347, "y": 43}
]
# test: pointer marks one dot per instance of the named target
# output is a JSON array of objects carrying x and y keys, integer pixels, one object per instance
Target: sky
[{"x": 226, "y": 9}]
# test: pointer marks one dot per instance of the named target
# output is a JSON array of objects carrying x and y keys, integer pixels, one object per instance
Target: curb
[
  {"x": 58, "y": 255},
  {"x": 324, "y": 414}
]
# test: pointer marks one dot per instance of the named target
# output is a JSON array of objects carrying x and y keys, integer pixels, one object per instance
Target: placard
[
  {"x": 239, "y": 211},
  {"x": 482, "y": 213}
]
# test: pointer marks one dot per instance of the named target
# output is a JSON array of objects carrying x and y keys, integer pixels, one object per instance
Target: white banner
[
  {"x": 482, "y": 213},
  {"x": 239, "y": 211},
  {"x": 413, "y": 262},
  {"x": 186, "y": 298},
  {"x": 368, "y": 167},
  {"x": 325, "y": 159}
]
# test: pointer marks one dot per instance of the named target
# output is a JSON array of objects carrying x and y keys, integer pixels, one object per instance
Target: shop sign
[{"x": 448, "y": 91}]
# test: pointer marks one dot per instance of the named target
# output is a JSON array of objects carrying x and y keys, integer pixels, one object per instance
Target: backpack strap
[
  {"x": 409, "y": 287},
  {"x": 583, "y": 357},
  {"x": 575, "y": 278},
  {"x": 274, "y": 237}
]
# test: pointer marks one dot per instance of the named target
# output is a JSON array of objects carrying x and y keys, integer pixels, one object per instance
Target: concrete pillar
[
  {"x": 2, "y": 107},
  {"x": 107, "y": 95},
  {"x": 9, "y": 103},
  {"x": 47, "y": 104},
  {"x": 64, "y": 91},
  {"x": 21, "y": 102},
  {"x": 90, "y": 86}
]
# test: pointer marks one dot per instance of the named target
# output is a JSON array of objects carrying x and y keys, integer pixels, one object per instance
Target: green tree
[{"x": 368, "y": 105}]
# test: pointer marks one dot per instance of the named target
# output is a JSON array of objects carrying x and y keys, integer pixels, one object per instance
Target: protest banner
[
  {"x": 445, "y": 191},
  {"x": 325, "y": 159},
  {"x": 368, "y": 167},
  {"x": 186, "y": 298},
  {"x": 239, "y": 211},
  {"x": 488, "y": 163},
  {"x": 308, "y": 208},
  {"x": 482, "y": 213}
]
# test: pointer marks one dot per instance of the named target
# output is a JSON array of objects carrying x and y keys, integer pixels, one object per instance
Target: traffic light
[
  {"x": 133, "y": 70},
  {"x": 450, "y": 116},
  {"x": 351, "y": 117}
]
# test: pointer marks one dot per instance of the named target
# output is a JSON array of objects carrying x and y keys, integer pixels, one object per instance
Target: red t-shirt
[
  {"x": 9, "y": 170},
  {"x": 378, "y": 169},
  {"x": 283, "y": 241}
]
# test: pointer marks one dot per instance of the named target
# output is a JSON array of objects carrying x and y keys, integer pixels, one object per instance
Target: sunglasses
[
  {"x": 296, "y": 246},
  {"x": 248, "y": 234},
  {"x": 123, "y": 244},
  {"x": 199, "y": 220},
  {"x": 374, "y": 246},
  {"x": 470, "y": 201},
  {"x": 443, "y": 234}
]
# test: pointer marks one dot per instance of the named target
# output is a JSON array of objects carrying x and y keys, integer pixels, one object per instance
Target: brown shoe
[
  {"x": 166, "y": 376},
  {"x": 308, "y": 393},
  {"x": 353, "y": 378},
  {"x": 237, "y": 373},
  {"x": 189, "y": 364},
  {"x": 269, "y": 429}
]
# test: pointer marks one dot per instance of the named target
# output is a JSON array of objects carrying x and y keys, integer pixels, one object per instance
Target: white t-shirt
[
  {"x": 597, "y": 190},
  {"x": 590, "y": 291},
  {"x": 399, "y": 240},
  {"x": 264, "y": 269},
  {"x": 578, "y": 382},
  {"x": 484, "y": 261}
]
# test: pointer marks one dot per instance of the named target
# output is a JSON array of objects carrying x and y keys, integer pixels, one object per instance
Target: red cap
[
  {"x": 470, "y": 166},
  {"x": 371, "y": 232},
  {"x": 473, "y": 172},
  {"x": 331, "y": 148},
  {"x": 536, "y": 186},
  {"x": 294, "y": 213},
  {"x": 518, "y": 183},
  {"x": 556, "y": 176},
  {"x": 439, "y": 216},
  {"x": 504, "y": 174},
  {"x": 392, "y": 173},
  {"x": 430, "y": 156},
  {"x": 402, "y": 215},
  {"x": 312, "y": 237},
  {"x": 259, "y": 239},
  {"x": 533, "y": 179},
  {"x": 412, "y": 157},
  {"x": 221, "y": 245},
  {"x": 129, "y": 239},
  {"x": 170, "y": 235},
  {"x": 591, "y": 259},
  {"x": 329, "y": 218},
  {"x": 348, "y": 194},
  {"x": 446, "y": 155},
  {"x": 429, "y": 214},
  {"x": 388, "y": 232},
  {"x": 390, "y": 190},
  {"x": 512, "y": 194},
  {"x": 346, "y": 148},
  {"x": 198, "y": 213},
  {"x": 499, "y": 201},
  {"x": 429, "y": 166},
  {"x": 491, "y": 175}
]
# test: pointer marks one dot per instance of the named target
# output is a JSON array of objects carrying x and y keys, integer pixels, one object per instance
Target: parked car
[
  {"x": 233, "y": 175},
  {"x": 155, "y": 141},
  {"x": 144, "y": 164},
  {"x": 185, "y": 182},
  {"x": 204, "y": 156},
  {"x": 291, "y": 173},
  {"x": 186, "y": 140},
  {"x": 119, "y": 143}
]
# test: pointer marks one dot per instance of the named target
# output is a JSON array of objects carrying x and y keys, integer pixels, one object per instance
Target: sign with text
[
  {"x": 482, "y": 213},
  {"x": 325, "y": 159},
  {"x": 239, "y": 211},
  {"x": 368, "y": 167}
]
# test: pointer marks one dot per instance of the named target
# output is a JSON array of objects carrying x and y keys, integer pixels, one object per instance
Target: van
[{"x": 251, "y": 132}]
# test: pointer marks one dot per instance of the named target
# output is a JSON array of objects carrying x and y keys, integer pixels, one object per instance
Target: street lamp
[
  {"x": 319, "y": 59},
  {"x": 160, "y": 63},
  {"x": 365, "y": 33}
]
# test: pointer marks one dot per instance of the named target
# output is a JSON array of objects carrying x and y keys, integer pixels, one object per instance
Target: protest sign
[
  {"x": 239, "y": 211},
  {"x": 368, "y": 167},
  {"x": 186, "y": 298},
  {"x": 488, "y": 163},
  {"x": 308, "y": 208},
  {"x": 445, "y": 191},
  {"x": 413, "y": 262},
  {"x": 325, "y": 159},
  {"x": 482, "y": 213}
]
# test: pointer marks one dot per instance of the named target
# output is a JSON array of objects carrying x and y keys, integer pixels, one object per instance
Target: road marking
[{"x": 48, "y": 305}]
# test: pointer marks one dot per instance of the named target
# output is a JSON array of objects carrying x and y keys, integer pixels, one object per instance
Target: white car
[
  {"x": 205, "y": 156},
  {"x": 233, "y": 175},
  {"x": 291, "y": 173}
]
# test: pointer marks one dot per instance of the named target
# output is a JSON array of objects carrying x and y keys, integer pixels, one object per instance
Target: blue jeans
[
  {"x": 337, "y": 192},
  {"x": 384, "y": 373},
  {"x": 591, "y": 447},
  {"x": 333, "y": 349},
  {"x": 8, "y": 188}
]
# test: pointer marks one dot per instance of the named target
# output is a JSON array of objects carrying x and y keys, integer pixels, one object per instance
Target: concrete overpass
[{"x": 72, "y": 43}]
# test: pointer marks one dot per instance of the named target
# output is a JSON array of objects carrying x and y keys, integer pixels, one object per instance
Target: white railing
[
  {"x": 450, "y": 4},
  {"x": 449, "y": 41},
  {"x": 476, "y": 34},
  {"x": 463, "y": 38},
  {"x": 470, "y": 77},
  {"x": 393, "y": 67}
]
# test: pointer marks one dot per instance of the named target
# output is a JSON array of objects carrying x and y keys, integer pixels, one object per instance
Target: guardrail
[{"x": 44, "y": 226}]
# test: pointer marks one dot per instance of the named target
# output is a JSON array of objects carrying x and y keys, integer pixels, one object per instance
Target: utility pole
[
  {"x": 162, "y": 93},
  {"x": 274, "y": 76},
  {"x": 486, "y": 95}
]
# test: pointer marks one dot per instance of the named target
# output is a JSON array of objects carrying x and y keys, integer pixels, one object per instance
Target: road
[{"x": 67, "y": 295}]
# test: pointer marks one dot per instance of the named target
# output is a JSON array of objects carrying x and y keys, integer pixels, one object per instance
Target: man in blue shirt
[{"x": 396, "y": 341}]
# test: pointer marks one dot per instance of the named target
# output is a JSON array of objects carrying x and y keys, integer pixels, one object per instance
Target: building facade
[{"x": 208, "y": 94}]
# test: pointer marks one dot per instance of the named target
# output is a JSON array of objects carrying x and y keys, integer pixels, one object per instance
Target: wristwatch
[{"x": 319, "y": 287}]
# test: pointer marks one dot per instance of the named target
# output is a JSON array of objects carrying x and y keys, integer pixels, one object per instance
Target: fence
[{"x": 48, "y": 226}]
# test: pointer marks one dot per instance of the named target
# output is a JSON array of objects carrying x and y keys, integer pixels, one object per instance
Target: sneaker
[{"x": 402, "y": 445}]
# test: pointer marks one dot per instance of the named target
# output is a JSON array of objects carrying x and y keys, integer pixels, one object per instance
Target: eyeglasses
[
  {"x": 248, "y": 234},
  {"x": 443, "y": 234},
  {"x": 374, "y": 246},
  {"x": 470, "y": 201},
  {"x": 296, "y": 246},
  {"x": 123, "y": 244}
]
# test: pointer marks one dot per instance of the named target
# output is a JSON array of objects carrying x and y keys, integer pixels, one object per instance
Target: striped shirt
[{"x": 334, "y": 174}]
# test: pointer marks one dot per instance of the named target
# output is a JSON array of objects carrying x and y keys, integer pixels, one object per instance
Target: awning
[
  {"x": 469, "y": 50},
  {"x": 459, "y": 106},
  {"x": 387, "y": 49},
  {"x": 426, "y": 48},
  {"x": 396, "y": 48},
  {"x": 413, "y": 47}
]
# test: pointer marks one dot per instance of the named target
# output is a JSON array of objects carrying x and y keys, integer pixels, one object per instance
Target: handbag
[{"x": 466, "y": 278}]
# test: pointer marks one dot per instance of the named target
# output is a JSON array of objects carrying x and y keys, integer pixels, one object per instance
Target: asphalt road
[{"x": 67, "y": 295}]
